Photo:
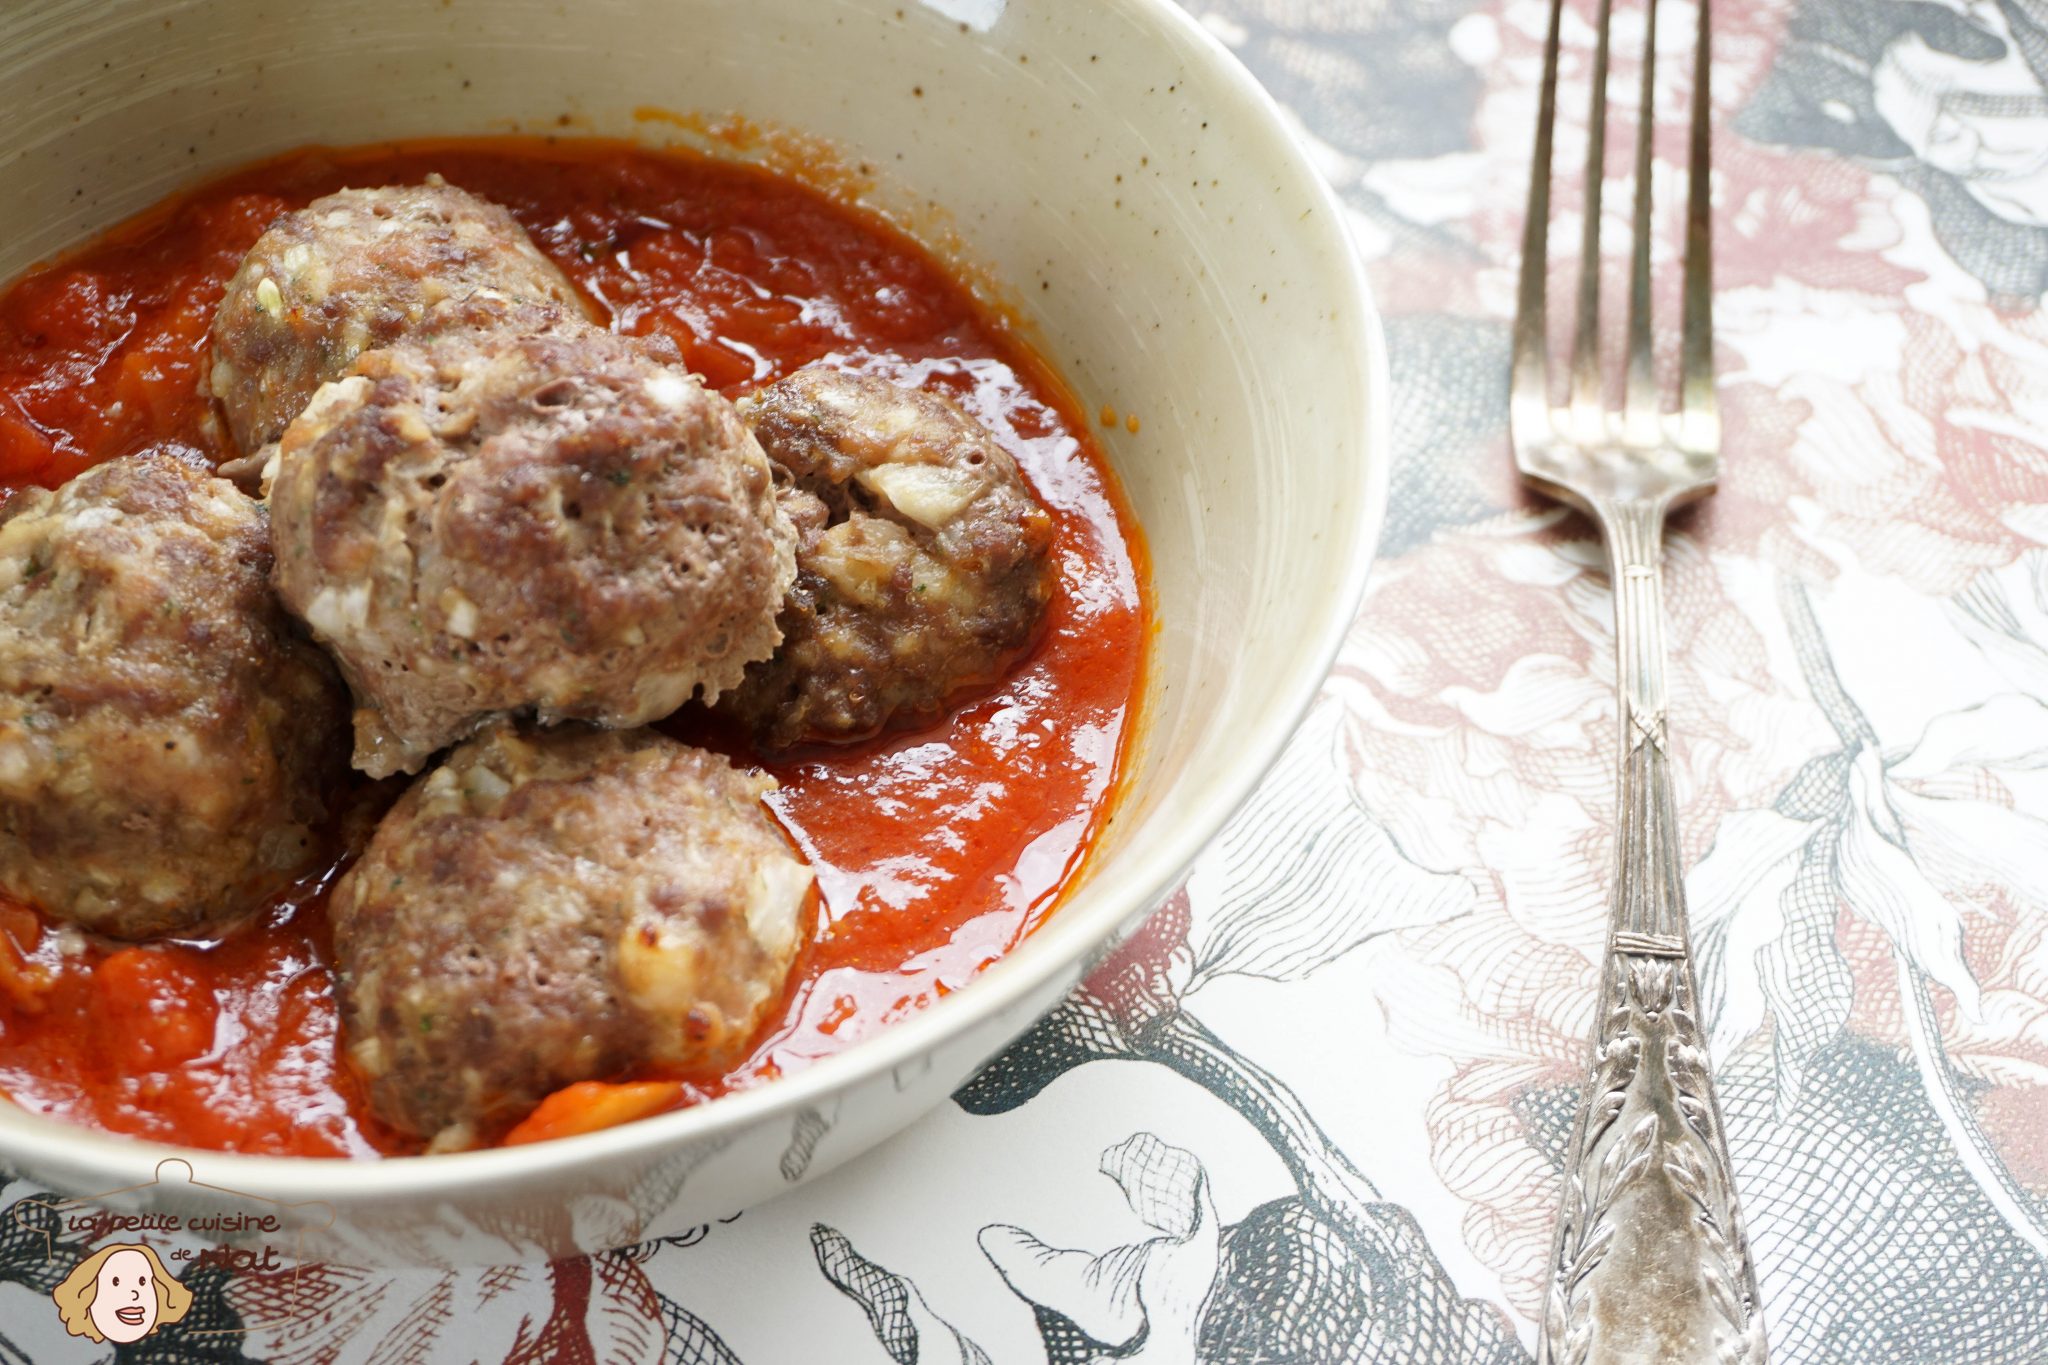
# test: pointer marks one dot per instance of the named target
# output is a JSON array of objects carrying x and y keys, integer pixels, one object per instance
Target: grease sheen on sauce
[{"x": 936, "y": 849}]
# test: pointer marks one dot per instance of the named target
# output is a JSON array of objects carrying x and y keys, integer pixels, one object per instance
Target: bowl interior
[{"x": 1131, "y": 191}]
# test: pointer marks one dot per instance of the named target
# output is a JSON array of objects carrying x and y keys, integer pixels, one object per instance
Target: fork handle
[{"x": 1651, "y": 1265}]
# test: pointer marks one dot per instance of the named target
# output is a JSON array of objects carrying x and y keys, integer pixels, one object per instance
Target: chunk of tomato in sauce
[
  {"x": 589, "y": 1106},
  {"x": 153, "y": 1008}
]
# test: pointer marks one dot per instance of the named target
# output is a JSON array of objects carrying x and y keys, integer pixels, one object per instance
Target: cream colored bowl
[{"x": 1139, "y": 199}]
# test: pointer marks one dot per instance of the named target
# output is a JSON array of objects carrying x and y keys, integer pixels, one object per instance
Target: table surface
[{"x": 1315, "y": 1111}]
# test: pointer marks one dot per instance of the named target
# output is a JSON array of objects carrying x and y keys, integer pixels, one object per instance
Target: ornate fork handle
[{"x": 1652, "y": 1263}]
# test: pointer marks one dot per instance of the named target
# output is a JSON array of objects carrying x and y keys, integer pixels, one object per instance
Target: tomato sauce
[{"x": 936, "y": 849}]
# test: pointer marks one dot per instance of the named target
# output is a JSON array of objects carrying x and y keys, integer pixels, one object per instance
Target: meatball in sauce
[
  {"x": 560, "y": 906},
  {"x": 555, "y": 524},
  {"x": 937, "y": 845},
  {"x": 350, "y": 272},
  {"x": 924, "y": 562},
  {"x": 168, "y": 741}
]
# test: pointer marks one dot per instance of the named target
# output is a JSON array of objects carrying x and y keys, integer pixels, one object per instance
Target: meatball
[
  {"x": 351, "y": 272},
  {"x": 559, "y": 906},
  {"x": 168, "y": 741},
  {"x": 923, "y": 561},
  {"x": 557, "y": 523}
]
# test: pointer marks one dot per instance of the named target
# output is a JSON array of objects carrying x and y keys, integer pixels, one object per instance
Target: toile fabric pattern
[{"x": 1315, "y": 1110}]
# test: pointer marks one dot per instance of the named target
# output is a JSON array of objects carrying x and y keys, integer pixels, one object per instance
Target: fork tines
[{"x": 1585, "y": 418}]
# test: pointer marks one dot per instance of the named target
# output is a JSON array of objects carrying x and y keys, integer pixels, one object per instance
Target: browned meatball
[
  {"x": 351, "y": 272},
  {"x": 167, "y": 741},
  {"x": 923, "y": 560},
  {"x": 559, "y": 906},
  {"x": 555, "y": 524}
]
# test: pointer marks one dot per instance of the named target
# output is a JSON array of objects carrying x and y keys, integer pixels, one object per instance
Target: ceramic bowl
[{"x": 1136, "y": 198}]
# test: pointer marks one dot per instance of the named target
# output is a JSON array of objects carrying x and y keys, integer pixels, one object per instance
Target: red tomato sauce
[{"x": 936, "y": 849}]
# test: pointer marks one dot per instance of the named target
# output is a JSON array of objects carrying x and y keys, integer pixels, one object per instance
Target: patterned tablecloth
[{"x": 1314, "y": 1112}]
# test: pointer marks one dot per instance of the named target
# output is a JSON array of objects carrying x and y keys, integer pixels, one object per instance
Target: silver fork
[{"x": 1651, "y": 1263}]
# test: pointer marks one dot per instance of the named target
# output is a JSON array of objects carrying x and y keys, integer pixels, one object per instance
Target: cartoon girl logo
[{"x": 120, "y": 1293}]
